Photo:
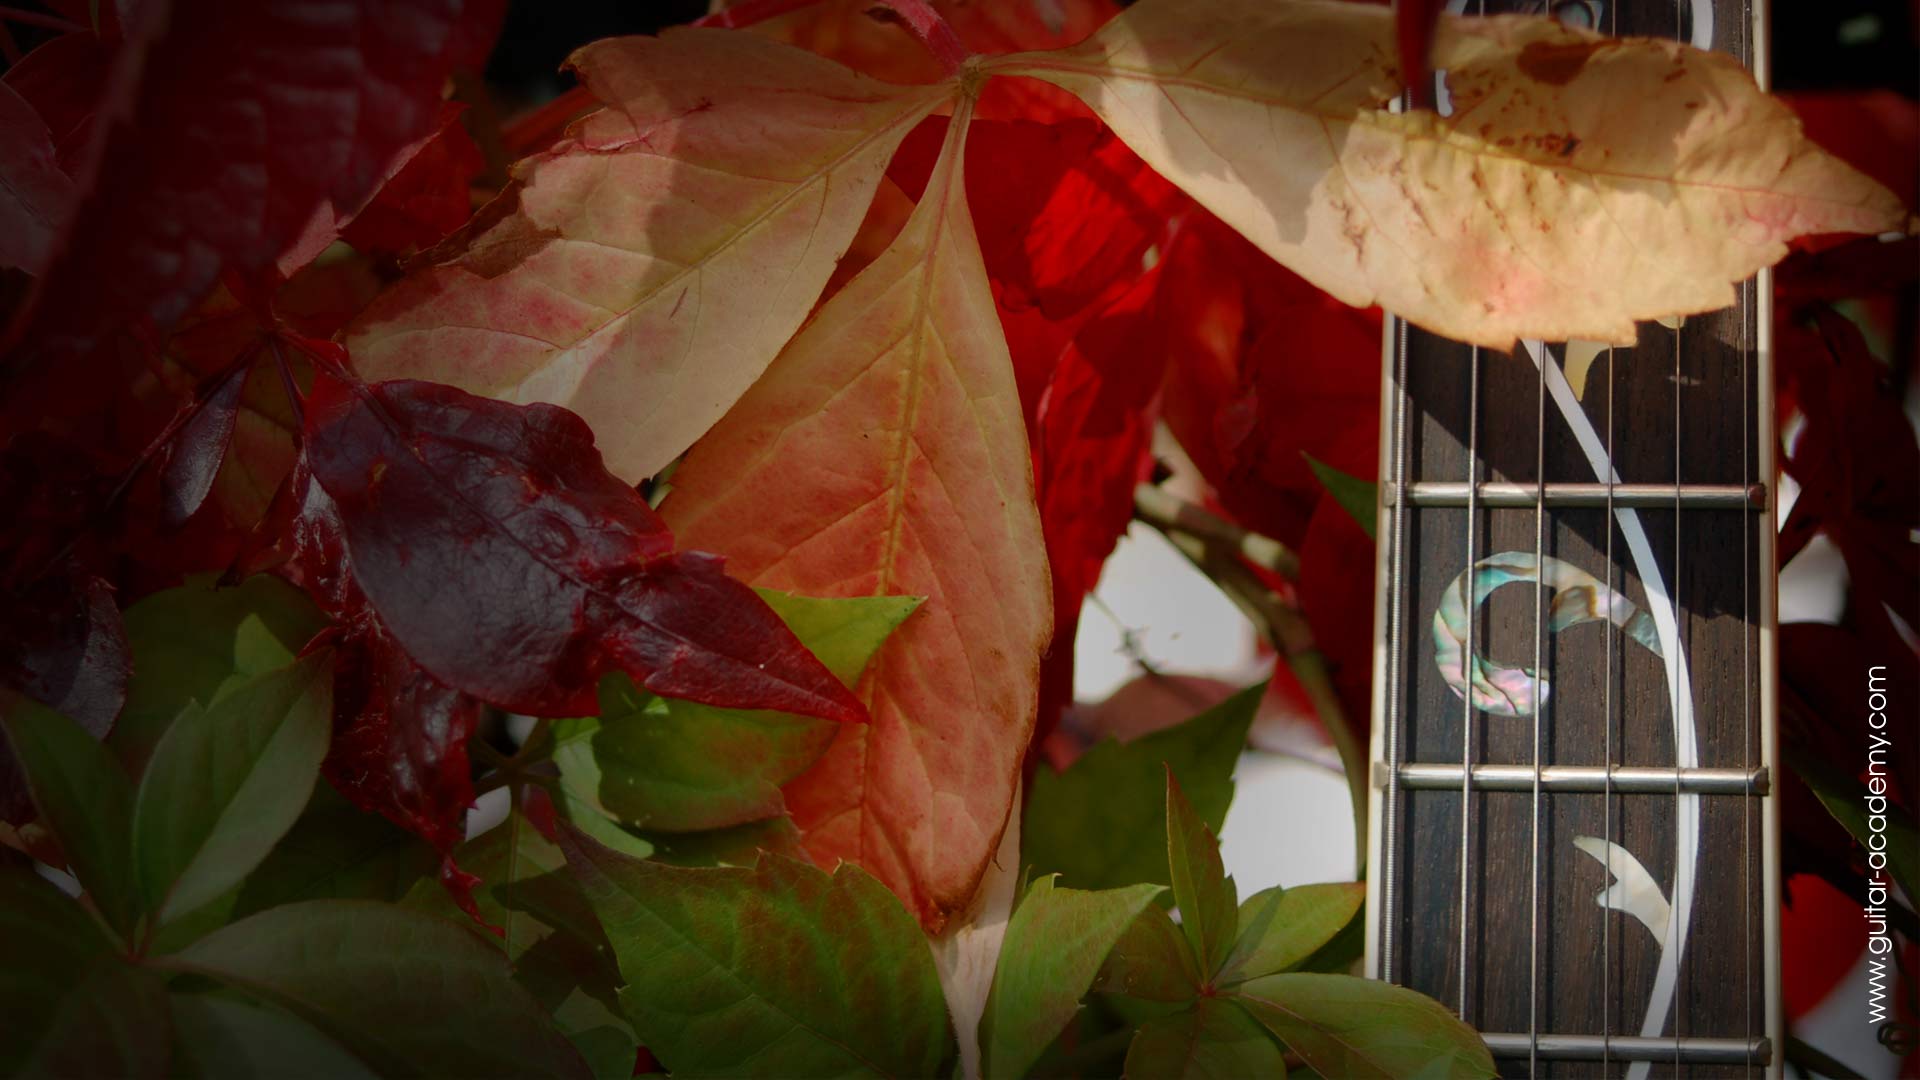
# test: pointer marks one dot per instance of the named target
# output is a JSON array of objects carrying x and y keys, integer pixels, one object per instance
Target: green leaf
[
  {"x": 86, "y": 800},
  {"x": 1360, "y": 1028},
  {"x": 1280, "y": 929},
  {"x": 1151, "y": 962},
  {"x": 843, "y": 633},
  {"x": 1359, "y": 498},
  {"x": 336, "y": 851},
  {"x": 510, "y": 852},
  {"x": 1101, "y": 824},
  {"x": 1209, "y": 915},
  {"x": 223, "y": 1034},
  {"x": 51, "y": 942},
  {"x": 593, "y": 820},
  {"x": 225, "y": 784},
  {"x": 738, "y": 846},
  {"x": 600, "y": 1034},
  {"x": 1213, "y": 1040},
  {"x": 1847, "y": 799},
  {"x": 406, "y": 992},
  {"x": 113, "y": 1023},
  {"x": 780, "y": 970},
  {"x": 198, "y": 642},
  {"x": 1055, "y": 943},
  {"x": 678, "y": 766}
]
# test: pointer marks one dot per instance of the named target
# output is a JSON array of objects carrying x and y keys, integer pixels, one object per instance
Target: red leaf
[
  {"x": 1336, "y": 595},
  {"x": 238, "y": 126},
  {"x": 400, "y": 743},
  {"x": 507, "y": 561},
  {"x": 427, "y": 199},
  {"x": 63, "y": 80},
  {"x": 199, "y": 447},
  {"x": 35, "y": 194},
  {"x": 1263, "y": 368}
]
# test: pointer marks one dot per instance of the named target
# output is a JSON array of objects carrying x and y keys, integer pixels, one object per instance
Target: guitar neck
[{"x": 1573, "y": 836}]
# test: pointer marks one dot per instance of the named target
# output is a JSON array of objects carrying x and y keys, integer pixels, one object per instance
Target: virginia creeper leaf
[
  {"x": 1152, "y": 961},
  {"x": 197, "y": 450},
  {"x": 84, "y": 798},
  {"x": 406, "y": 992},
  {"x": 1539, "y": 208},
  {"x": 508, "y": 563},
  {"x": 227, "y": 782},
  {"x": 644, "y": 271},
  {"x": 427, "y": 198},
  {"x": 781, "y": 970},
  {"x": 677, "y": 766},
  {"x": 36, "y": 194},
  {"x": 1262, "y": 368},
  {"x": 114, "y": 1022},
  {"x": 1055, "y": 944},
  {"x": 63, "y": 645},
  {"x": 883, "y": 453},
  {"x": 197, "y": 642},
  {"x": 228, "y": 131},
  {"x": 1281, "y": 928},
  {"x": 51, "y": 944},
  {"x": 1359, "y": 498},
  {"x": 1209, "y": 912},
  {"x": 1361, "y": 1028},
  {"x": 336, "y": 851},
  {"x": 1102, "y": 823},
  {"x": 1213, "y": 1040},
  {"x": 738, "y": 846},
  {"x": 218, "y": 1034}
]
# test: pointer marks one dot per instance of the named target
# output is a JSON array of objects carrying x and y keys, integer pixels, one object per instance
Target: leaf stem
[
  {"x": 1164, "y": 510},
  {"x": 295, "y": 399},
  {"x": 934, "y": 32},
  {"x": 1216, "y": 550}
]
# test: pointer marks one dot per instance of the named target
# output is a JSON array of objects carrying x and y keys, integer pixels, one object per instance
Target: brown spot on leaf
[{"x": 1556, "y": 65}]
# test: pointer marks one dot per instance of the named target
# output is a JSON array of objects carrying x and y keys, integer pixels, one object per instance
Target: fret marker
[
  {"x": 1632, "y": 890},
  {"x": 1578, "y": 597}
]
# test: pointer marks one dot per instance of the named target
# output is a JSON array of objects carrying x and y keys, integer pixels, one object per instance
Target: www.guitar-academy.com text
[{"x": 1880, "y": 946}]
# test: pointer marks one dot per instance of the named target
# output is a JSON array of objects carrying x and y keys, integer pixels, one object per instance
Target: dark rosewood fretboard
[{"x": 1616, "y": 506}]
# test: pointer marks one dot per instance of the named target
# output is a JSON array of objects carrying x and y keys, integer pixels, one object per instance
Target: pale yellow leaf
[
  {"x": 883, "y": 453},
  {"x": 1580, "y": 183},
  {"x": 644, "y": 271}
]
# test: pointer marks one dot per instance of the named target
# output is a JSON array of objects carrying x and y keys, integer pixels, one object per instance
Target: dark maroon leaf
[
  {"x": 197, "y": 449},
  {"x": 61, "y": 644},
  {"x": 239, "y": 125},
  {"x": 35, "y": 194},
  {"x": 512, "y": 566}
]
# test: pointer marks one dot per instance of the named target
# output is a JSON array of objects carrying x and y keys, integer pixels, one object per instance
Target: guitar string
[
  {"x": 1680, "y": 999},
  {"x": 1539, "y": 719},
  {"x": 1606, "y": 760},
  {"x": 1747, "y": 525},
  {"x": 1466, "y": 720}
]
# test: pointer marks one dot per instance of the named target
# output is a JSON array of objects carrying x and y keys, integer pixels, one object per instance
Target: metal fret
[
  {"x": 1560, "y": 496},
  {"x": 1627, "y": 779},
  {"x": 1686, "y": 1050}
]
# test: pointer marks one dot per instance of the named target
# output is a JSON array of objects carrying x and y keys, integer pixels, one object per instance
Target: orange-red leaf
[
  {"x": 883, "y": 453},
  {"x": 643, "y": 272}
]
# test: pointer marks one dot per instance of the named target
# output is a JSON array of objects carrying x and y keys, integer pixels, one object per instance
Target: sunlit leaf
[
  {"x": 644, "y": 271},
  {"x": 1579, "y": 183},
  {"x": 883, "y": 453}
]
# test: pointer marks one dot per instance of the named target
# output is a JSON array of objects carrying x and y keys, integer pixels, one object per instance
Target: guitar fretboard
[{"x": 1573, "y": 836}]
